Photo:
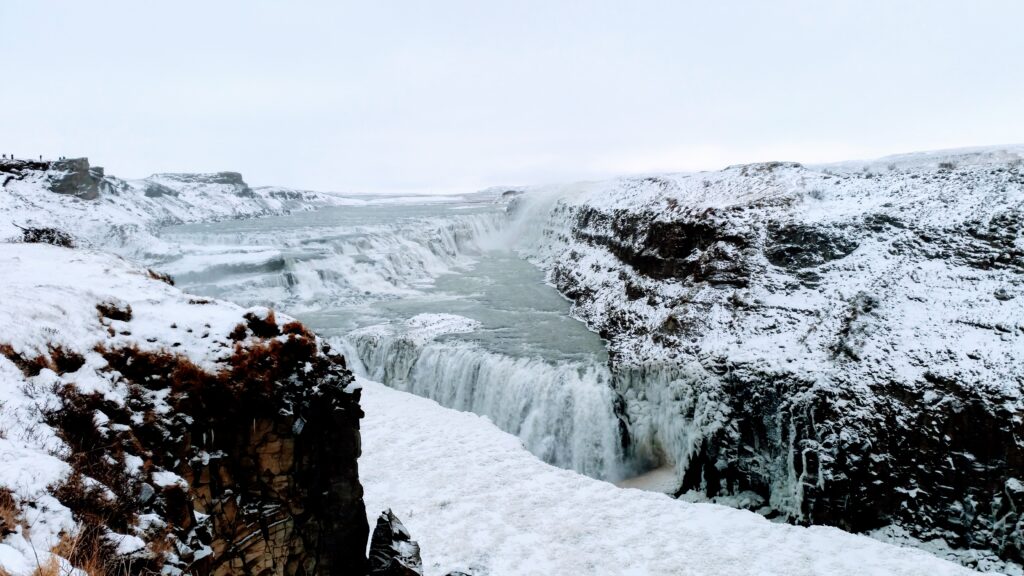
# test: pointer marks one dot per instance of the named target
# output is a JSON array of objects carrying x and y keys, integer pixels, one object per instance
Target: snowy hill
[
  {"x": 839, "y": 344},
  {"x": 119, "y": 215}
]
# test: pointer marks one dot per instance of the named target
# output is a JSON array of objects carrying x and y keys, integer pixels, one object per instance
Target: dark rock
[
  {"x": 392, "y": 550},
  {"x": 120, "y": 311},
  {"x": 796, "y": 246},
  {"x": 74, "y": 177},
  {"x": 157, "y": 190},
  {"x": 262, "y": 495}
]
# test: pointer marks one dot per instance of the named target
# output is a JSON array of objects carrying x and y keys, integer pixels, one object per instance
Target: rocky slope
[
  {"x": 839, "y": 345},
  {"x": 119, "y": 215},
  {"x": 147, "y": 431}
]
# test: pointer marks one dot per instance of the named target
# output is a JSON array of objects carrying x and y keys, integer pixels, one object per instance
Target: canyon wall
[{"x": 838, "y": 345}]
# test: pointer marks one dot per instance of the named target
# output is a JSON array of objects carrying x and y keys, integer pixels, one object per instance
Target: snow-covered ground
[{"x": 476, "y": 500}]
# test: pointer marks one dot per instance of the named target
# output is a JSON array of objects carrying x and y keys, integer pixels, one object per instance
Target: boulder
[{"x": 393, "y": 552}]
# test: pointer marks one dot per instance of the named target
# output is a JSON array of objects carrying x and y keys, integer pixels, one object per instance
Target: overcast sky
[{"x": 450, "y": 95}]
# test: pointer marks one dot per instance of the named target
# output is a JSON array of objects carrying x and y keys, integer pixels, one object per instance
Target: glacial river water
[{"x": 431, "y": 297}]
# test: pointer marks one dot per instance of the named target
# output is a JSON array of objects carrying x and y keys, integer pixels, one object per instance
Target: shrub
[
  {"x": 115, "y": 311},
  {"x": 9, "y": 512},
  {"x": 166, "y": 278},
  {"x": 47, "y": 235}
]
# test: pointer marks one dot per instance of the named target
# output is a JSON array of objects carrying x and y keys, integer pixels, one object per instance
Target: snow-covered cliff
[
  {"x": 145, "y": 430},
  {"x": 839, "y": 344},
  {"x": 119, "y": 215}
]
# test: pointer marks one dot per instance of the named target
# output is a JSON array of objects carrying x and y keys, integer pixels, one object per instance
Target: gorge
[{"x": 834, "y": 345}]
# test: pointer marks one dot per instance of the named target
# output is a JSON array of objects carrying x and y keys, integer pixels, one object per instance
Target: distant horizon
[{"x": 879, "y": 158}]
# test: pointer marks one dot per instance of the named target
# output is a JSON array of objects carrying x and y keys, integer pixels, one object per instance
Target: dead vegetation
[
  {"x": 260, "y": 377},
  {"x": 162, "y": 277},
  {"x": 50, "y": 567},
  {"x": 58, "y": 359},
  {"x": 46, "y": 235},
  {"x": 115, "y": 311},
  {"x": 87, "y": 553},
  {"x": 10, "y": 514}
]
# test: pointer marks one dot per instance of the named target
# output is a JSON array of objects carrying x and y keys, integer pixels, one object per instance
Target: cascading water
[
  {"x": 562, "y": 411},
  {"x": 427, "y": 298}
]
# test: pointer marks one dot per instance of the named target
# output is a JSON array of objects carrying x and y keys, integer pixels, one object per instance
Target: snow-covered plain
[{"x": 477, "y": 501}]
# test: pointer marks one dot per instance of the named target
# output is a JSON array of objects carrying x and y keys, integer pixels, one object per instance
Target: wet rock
[{"x": 393, "y": 552}]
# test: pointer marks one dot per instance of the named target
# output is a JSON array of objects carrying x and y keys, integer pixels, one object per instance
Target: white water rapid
[{"x": 427, "y": 297}]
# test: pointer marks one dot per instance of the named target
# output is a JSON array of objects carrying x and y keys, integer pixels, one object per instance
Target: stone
[{"x": 393, "y": 552}]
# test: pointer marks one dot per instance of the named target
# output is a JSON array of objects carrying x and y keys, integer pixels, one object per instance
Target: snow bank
[{"x": 477, "y": 500}]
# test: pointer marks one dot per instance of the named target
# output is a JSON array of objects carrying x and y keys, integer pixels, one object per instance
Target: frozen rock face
[
  {"x": 72, "y": 177},
  {"x": 231, "y": 182},
  {"x": 844, "y": 343},
  {"x": 149, "y": 431}
]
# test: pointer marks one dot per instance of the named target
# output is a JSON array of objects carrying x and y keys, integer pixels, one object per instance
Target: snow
[
  {"x": 164, "y": 479},
  {"x": 50, "y": 298},
  {"x": 472, "y": 495},
  {"x": 475, "y": 499},
  {"x": 935, "y": 314},
  {"x": 122, "y": 219},
  {"x": 425, "y": 327}
]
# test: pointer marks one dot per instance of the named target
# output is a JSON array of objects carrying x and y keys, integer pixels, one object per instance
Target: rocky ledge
[
  {"x": 146, "y": 431},
  {"x": 838, "y": 345}
]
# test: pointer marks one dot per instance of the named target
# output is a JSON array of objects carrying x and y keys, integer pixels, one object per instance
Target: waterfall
[
  {"x": 376, "y": 266},
  {"x": 563, "y": 413},
  {"x": 309, "y": 268}
]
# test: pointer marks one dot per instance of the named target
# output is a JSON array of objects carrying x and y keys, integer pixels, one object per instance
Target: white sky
[{"x": 457, "y": 95}]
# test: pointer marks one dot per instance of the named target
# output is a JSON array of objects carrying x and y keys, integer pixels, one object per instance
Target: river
[{"x": 430, "y": 296}]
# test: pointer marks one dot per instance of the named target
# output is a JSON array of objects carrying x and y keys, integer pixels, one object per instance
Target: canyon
[{"x": 835, "y": 345}]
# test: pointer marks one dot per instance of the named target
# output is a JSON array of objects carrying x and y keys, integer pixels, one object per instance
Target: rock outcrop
[
  {"x": 71, "y": 177},
  {"x": 166, "y": 433},
  {"x": 839, "y": 345},
  {"x": 393, "y": 552},
  {"x": 120, "y": 215}
]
